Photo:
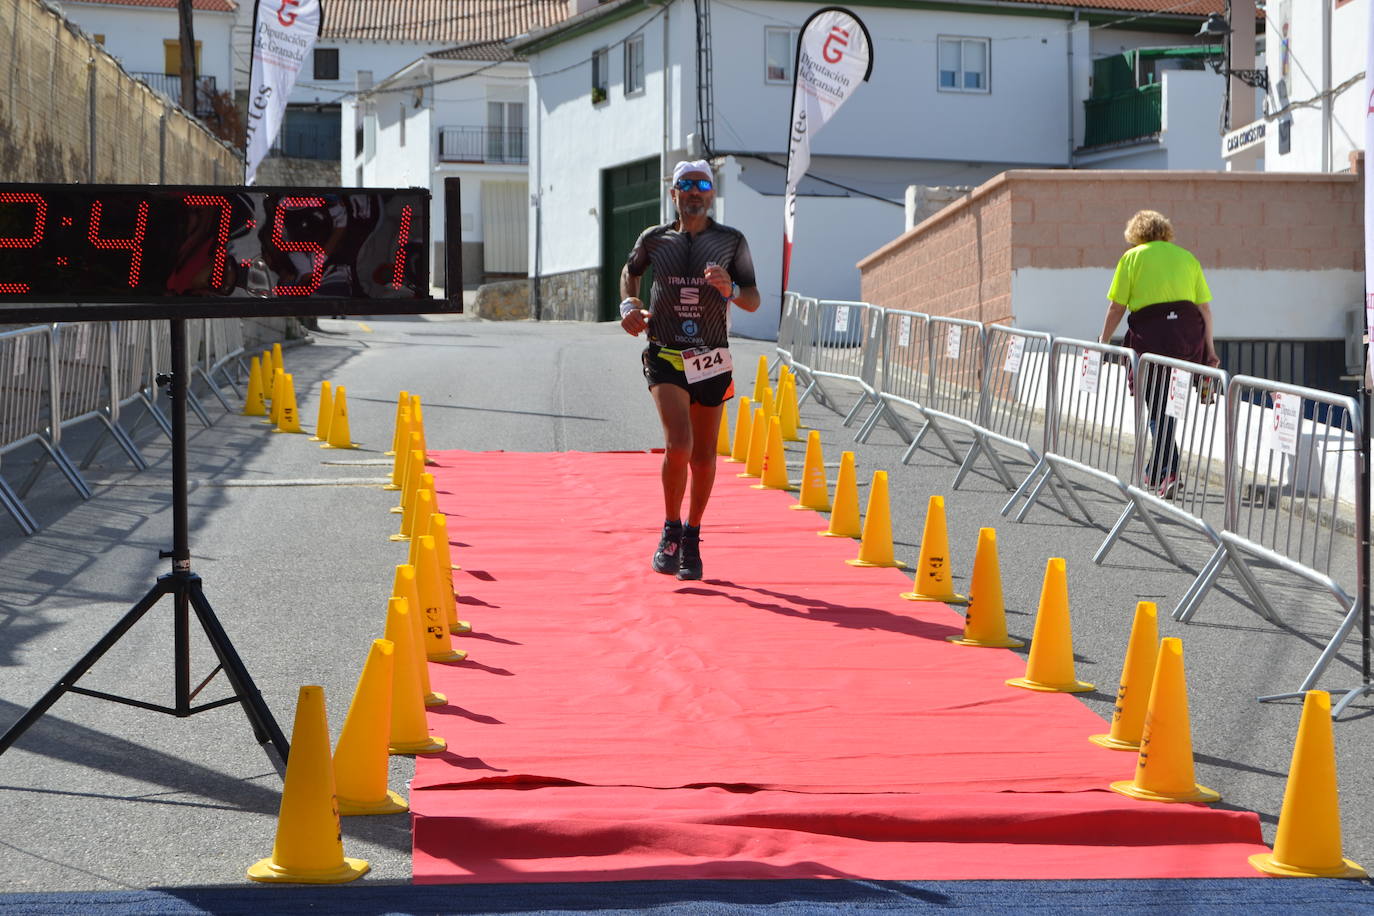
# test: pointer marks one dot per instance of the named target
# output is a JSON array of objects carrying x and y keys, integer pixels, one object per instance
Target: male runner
[{"x": 700, "y": 268}]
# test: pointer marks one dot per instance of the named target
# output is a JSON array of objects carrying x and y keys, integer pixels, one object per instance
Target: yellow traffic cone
[
  {"x": 401, "y": 453},
  {"x": 409, "y": 734},
  {"x": 339, "y": 435},
  {"x": 739, "y": 451},
  {"x": 788, "y": 411},
  {"x": 985, "y": 622},
  {"x": 278, "y": 397},
  {"x": 324, "y": 413},
  {"x": 423, "y": 495},
  {"x": 774, "y": 475},
  {"x": 723, "y": 437},
  {"x": 815, "y": 493},
  {"x": 758, "y": 442},
  {"x": 1308, "y": 841},
  {"x": 438, "y": 529},
  {"x": 767, "y": 404},
  {"x": 934, "y": 580},
  {"x": 255, "y": 403},
  {"x": 309, "y": 843},
  {"x": 1049, "y": 668},
  {"x": 1137, "y": 677},
  {"x": 876, "y": 547},
  {"x": 404, "y": 585},
  {"x": 288, "y": 418},
  {"x": 844, "y": 515},
  {"x": 277, "y": 362},
  {"x": 407, "y": 482},
  {"x": 398, "y": 439},
  {"x": 428, "y": 582},
  {"x": 1164, "y": 769},
  {"x": 417, "y": 423},
  {"x": 420, "y": 527},
  {"x": 360, "y": 758},
  {"x": 269, "y": 372},
  {"x": 760, "y": 379}
]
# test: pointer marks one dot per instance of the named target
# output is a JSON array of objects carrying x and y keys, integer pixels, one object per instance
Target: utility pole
[{"x": 187, "y": 40}]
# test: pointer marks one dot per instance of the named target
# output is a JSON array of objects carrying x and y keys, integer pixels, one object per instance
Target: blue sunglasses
[{"x": 687, "y": 184}]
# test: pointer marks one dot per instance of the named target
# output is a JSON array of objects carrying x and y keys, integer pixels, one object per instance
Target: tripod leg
[
  {"x": 160, "y": 588},
  {"x": 265, "y": 727}
]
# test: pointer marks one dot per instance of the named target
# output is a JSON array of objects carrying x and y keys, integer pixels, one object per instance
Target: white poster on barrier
[
  {"x": 21, "y": 355},
  {"x": 841, "y": 319},
  {"x": 954, "y": 340},
  {"x": 1284, "y": 433},
  {"x": 1180, "y": 380},
  {"x": 1015, "y": 351},
  {"x": 1090, "y": 372},
  {"x": 904, "y": 331}
]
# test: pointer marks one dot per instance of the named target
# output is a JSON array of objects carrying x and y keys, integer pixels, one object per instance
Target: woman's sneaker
[
  {"x": 667, "y": 555},
  {"x": 689, "y": 563},
  {"x": 1168, "y": 487}
]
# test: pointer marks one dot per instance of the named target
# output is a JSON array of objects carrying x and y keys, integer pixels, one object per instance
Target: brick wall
[{"x": 959, "y": 262}]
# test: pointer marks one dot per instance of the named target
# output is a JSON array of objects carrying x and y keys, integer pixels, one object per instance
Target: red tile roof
[
  {"x": 209, "y": 6},
  {"x": 446, "y": 21}
]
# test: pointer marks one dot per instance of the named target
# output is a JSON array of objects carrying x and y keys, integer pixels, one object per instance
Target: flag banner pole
[
  {"x": 284, "y": 33},
  {"x": 834, "y": 55}
]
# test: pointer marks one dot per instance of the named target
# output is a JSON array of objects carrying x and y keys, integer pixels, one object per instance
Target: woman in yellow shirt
[{"x": 1161, "y": 286}]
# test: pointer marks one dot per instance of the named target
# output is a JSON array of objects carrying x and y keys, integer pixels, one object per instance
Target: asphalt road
[{"x": 291, "y": 542}]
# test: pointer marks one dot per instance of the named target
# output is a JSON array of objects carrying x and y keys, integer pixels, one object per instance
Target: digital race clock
[{"x": 87, "y": 252}]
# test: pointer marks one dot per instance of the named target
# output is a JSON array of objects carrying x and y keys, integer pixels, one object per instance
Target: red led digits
[
  {"x": 40, "y": 216},
  {"x": 317, "y": 254},
  {"x": 134, "y": 244},
  {"x": 402, "y": 237},
  {"x": 222, "y": 236}
]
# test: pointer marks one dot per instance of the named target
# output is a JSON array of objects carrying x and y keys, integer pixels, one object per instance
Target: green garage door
[{"x": 630, "y": 204}]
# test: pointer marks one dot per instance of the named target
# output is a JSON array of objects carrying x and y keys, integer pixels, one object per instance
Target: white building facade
[{"x": 621, "y": 91}]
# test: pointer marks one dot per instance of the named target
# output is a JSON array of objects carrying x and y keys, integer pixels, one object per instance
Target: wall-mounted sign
[{"x": 1242, "y": 138}]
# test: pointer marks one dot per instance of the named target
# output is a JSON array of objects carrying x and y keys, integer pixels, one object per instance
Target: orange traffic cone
[
  {"x": 760, "y": 379},
  {"x": 324, "y": 414},
  {"x": 404, "y": 585},
  {"x": 1050, "y": 666},
  {"x": 309, "y": 843},
  {"x": 255, "y": 404},
  {"x": 398, "y": 439},
  {"x": 428, "y": 583},
  {"x": 723, "y": 436},
  {"x": 409, "y": 733},
  {"x": 985, "y": 622},
  {"x": 933, "y": 579},
  {"x": 1308, "y": 842},
  {"x": 1137, "y": 677},
  {"x": 360, "y": 759},
  {"x": 339, "y": 434},
  {"x": 739, "y": 450},
  {"x": 814, "y": 490},
  {"x": 1164, "y": 769},
  {"x": 876, "y": 547},
  {"x": 288, "y": 418},
  {"x": 774, "y": 461},
  {"x": 438, "y": 529},
  {"x": 758, "y": 442},
  {"x": 844, "y": 515}
]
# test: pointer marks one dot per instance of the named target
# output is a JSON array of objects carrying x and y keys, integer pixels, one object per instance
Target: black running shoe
[
  {"x": 689, "y": 566},
  {"x": 666, "y": 557}
]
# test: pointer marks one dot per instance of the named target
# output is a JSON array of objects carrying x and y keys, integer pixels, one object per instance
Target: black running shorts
[{"x": 711, "y": 392}]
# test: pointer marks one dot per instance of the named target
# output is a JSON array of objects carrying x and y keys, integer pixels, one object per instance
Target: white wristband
[
  {"x": 734, "y": 292},
  {"x": 626, "y": 307}
]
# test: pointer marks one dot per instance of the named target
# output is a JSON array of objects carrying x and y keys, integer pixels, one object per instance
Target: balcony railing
[
  {"x": 483, "y": 144},
  {"x": 170, "y": 88},
  {"x": 1126, "y": 115}
]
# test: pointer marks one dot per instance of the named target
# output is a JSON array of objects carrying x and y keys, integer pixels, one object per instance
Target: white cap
[{"x": 697, "y": 165}]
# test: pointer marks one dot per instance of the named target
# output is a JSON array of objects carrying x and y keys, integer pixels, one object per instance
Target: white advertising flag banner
[
  {"x": 284, "y": 33},
  {"x": 834, "y": 55}
]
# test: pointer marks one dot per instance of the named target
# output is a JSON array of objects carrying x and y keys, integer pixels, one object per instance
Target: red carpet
[{"x": 789, "y": 716}]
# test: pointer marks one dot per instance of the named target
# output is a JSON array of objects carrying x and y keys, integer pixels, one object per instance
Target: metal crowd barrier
[
  {"x": 53, "y": 377},
  {"x": 1266, "y": 472}
]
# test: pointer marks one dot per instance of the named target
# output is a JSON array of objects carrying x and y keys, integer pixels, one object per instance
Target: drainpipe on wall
[
  {"x": 1326, "y": 87},
  {"x": 537, "y": 200},
  {"x": 1072, "y": 24}
]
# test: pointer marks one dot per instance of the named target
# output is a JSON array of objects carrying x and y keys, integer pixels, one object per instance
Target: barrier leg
[
  {"x": 916, "y": 442},
  {"x": 214, "y": 389},
  {"x": 1025, "y": 484},
  {"x": 1164, "y": 544},
  {"x": 69, "y": 471},
  {"x": 156, "y": 414},
  {"x": 864, "y": 398},
  {"x": 1206, "y": 578},
  {"x": 967, "y": 464},
  {"x": 1115, "y": 533},
  {"x": 228, "y": 377},
  {"x": 194, "y": 403},
  {"x": 1252, "y": 586},
  {"x": 16, "y": 509},
  {"x": 1310, "y": 682},
  {"x": 1059, "y": 477},
  {"x": 999, "y": 467},
  {"x": 124, "y": 442}
]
